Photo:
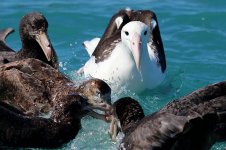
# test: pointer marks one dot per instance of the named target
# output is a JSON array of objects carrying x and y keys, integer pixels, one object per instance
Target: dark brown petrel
[
  {"x": 195, "y": 121},
  {"x": 35, "y": 41}
]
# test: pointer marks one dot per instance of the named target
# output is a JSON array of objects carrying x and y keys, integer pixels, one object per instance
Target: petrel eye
[
  {"x": 127, "y": 33},
  {"x": 145, "y": 32},
  {"x": 98, "y": 93}
]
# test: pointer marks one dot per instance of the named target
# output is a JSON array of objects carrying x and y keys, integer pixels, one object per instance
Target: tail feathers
[{"x": 91, "y": 45}]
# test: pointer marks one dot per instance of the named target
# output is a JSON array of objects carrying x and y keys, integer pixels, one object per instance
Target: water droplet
[{"x": 141, "y": 77}]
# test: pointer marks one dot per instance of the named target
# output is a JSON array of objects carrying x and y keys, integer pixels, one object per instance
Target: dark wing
[
  {"x": 155, "y": 131},
  {"x": 163, "y": 131},
  {"x": 3, "y": 35},
  {"x": 11, "y": 108},
  {"x": 201, "y": 96},
  {"x": 29, "y": 85},
  {"x": 112, "y": 27},
  {"x": 111, "y": 36},
  {"x": 196, "y": 121},
  {"x": 18, "y": 130},
  {"x": 105, "y": 48}
]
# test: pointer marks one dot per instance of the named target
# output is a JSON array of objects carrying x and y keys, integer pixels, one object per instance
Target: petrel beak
[
  {"x": 106, "y": 108},
  {"x": 113, "y": 130},
  {"x": 136, "y": 45},
  {"x": 44, "y": 42}
]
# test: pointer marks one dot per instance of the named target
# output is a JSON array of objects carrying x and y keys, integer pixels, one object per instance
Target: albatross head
[{"x": 135, "y": 35}]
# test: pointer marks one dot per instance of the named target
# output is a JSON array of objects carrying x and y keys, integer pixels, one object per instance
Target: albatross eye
[
  {"x": 145, "y": 32},
  {"x": 127, "y": 33}
]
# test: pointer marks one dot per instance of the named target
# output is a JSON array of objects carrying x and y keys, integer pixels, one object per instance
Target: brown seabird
[
  {"x": 35, "y": 41},
  {"x": 195, "y": 121}
]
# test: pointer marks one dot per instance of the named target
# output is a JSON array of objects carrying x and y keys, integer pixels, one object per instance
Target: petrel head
[{"x": 33, "y": 27}]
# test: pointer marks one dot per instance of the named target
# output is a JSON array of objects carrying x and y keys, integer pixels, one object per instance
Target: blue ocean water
[{"x": 193, "y": 33}]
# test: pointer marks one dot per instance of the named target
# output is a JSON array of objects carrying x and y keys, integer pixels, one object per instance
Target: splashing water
[{"x": 193, "y": 34}]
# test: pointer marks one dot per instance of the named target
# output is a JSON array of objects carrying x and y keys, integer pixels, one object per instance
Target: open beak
[
  {"x": 136, "y": 45},
  {"x": 107, "y": 117},
  {"x": 104, "y": 107},
  {"x": 45, "y": 44}
]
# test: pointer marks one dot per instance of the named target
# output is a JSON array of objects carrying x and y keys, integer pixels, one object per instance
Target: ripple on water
[{"x": 193, "y": 34}]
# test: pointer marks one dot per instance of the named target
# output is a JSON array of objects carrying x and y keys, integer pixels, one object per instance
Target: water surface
[{"x": 193, "y": 33}]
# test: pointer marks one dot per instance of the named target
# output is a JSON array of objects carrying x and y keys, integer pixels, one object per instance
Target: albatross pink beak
[
  {"x": 43, "y": 41},
  {"x": 136, "y": 45}
]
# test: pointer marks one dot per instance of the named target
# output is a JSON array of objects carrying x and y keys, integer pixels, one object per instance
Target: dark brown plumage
[
  {"x": 96, "y": 90},
  {"x": 31, "y": 85},
  {"x": 134, "y": 113},
  {"x": 195, "y": 121},
  {"x": 19, "y": 130},
  {"x": 31, "y": 89},
  {"x": 35, "y": 42}
]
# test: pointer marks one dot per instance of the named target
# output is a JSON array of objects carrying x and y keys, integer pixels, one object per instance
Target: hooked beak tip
[{"x": 45, "y": 45}]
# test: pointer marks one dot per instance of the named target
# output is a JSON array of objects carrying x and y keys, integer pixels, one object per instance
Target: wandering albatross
[
  {"x": 35, "y": 41},
  {"x": 195, "y": 121},
  {"x": 151, "y": 71}
]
